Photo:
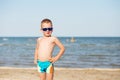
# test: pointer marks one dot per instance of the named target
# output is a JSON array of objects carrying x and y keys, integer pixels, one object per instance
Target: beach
[
  {"x": 10, "y": 73},
  {"x": 85, "y": 59}
]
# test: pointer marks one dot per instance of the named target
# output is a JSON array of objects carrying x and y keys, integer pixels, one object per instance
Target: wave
[{"x": 5, "y": 39}]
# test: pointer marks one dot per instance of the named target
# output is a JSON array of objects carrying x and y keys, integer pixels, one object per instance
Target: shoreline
[
  {"x": 13, "y": 73},
  {"x": 63, "y": 68}
]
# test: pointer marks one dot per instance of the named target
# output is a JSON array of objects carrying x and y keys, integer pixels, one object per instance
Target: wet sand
[{"x": 7, "y": 73}]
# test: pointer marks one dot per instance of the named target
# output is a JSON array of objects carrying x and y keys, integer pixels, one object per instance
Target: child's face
[{"x": 47, "y": 29}]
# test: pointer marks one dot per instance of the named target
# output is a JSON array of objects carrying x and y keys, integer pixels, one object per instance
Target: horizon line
[{"x": 61, "y": 36}]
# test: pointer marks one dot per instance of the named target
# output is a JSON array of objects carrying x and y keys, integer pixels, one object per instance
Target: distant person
[{"x": 44, "y": 48}]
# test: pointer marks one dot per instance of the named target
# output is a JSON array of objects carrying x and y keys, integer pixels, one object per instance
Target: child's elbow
[{"x": 63, "y": 49}]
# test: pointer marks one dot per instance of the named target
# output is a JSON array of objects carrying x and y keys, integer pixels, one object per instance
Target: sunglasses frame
[{"x": 49, "y": 29}]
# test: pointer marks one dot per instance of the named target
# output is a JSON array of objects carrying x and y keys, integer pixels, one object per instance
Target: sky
[{"x": 83, "y": 18}]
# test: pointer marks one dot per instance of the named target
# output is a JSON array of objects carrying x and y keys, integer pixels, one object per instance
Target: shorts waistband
[{"x": 43, "y": 61}]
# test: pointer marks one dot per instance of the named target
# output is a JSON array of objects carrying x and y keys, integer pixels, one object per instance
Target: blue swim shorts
[{"x": 45, "y": 66}]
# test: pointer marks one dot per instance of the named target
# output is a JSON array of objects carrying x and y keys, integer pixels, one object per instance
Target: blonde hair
[{"x": 46, "y": 21}]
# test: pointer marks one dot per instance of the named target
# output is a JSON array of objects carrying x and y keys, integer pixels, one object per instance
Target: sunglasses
[{"x": 45, "y": 29}]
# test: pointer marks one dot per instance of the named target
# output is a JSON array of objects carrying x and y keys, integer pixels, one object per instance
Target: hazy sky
[{"x": 70, "y": 17}]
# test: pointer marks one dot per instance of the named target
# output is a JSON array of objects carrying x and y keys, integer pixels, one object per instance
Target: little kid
[{"x": 44, "y": 48}]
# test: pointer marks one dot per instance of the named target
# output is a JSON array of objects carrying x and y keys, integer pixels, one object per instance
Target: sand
[{"x": 7, "y": 73}]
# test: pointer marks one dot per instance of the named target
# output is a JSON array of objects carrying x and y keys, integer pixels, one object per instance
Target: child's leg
[
  {"x": 49, "y": 76},
  {"x": 42, "y": 76},
  {"x": 50, "y": 72}
]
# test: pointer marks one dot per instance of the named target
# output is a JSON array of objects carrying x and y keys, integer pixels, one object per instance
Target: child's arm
[
  {"x": 61, "y": 52},
  {"x": 36, "y": 53}
]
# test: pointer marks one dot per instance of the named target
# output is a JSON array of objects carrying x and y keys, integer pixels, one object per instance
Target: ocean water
[{"x": 84, "y": 52}]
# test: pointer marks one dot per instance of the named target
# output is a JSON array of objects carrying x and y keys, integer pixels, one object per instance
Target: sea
[{"x": 81, "y": 52}]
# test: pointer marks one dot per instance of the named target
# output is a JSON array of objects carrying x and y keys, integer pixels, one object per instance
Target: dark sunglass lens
[
  {"x": 50, "y": 29},
  {"x": 44, "y": 29}
]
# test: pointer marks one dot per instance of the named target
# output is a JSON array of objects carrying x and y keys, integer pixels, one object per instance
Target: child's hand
[
  {"x": 35, "y": 61},
  {"x": 53, "y": 59}
]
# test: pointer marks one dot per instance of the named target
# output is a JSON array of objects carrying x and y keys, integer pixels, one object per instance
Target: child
[{"x": 44, "y": 48}]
